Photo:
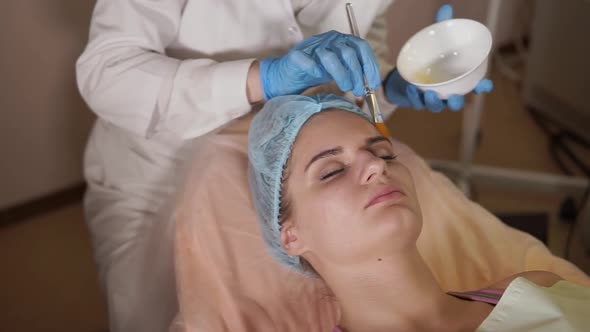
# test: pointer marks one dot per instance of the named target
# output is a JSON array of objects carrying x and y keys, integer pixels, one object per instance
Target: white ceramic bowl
[{"x": 448, "y": 57}]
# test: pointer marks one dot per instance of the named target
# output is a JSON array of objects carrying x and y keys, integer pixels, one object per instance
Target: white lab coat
[
  {"x": 159, "y": 74},
  {"x": 525, "y": 306}
]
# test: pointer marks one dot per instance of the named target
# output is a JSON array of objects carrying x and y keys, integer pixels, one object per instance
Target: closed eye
[
  {"x": 340, "y": 170},
  {"x": 331, "y": 174},
  {"x": 388, "y": 158}
]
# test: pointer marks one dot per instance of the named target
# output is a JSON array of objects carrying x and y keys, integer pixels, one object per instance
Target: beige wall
[
  {"x": 406, "y": 17},
  {"x": 44, "y": 123}
]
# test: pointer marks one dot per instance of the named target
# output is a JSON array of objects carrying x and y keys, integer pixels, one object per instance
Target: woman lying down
[{"x": 334, "y": 203}]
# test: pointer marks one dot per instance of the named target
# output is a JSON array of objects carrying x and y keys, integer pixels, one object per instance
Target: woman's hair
[{"x": 270, "y": 140}]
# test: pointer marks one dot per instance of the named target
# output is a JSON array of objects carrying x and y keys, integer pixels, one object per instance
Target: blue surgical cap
[{"x": 272, "y": 134}]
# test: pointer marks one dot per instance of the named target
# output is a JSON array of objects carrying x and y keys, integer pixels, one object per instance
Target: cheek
[
  {"x": 404, "y": 176},
  {"x": 329, "y": 218},
  {"x": 339, "y": 204},
  {"x": 320, "y": 215}
]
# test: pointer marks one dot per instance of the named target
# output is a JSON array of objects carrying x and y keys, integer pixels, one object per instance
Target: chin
[{"x": 398, "y": 220}]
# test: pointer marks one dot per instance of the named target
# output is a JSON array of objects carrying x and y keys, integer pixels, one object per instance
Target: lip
[{"x": 385, "y": 194}]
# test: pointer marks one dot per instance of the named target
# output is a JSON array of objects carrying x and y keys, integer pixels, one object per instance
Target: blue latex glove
[
  {"x": 330, "y": 56},
  {"x": 398, "y": 91}
]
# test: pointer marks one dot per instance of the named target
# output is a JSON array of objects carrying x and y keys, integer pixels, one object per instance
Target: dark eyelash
[
  {"x": 388, "y": 158},
  {"x": 329, "y": 175}
]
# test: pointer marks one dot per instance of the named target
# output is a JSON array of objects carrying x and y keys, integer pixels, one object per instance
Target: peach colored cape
[{"x": 226, "y": 281}]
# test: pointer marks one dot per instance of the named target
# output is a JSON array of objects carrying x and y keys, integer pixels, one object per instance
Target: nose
[{"x": 372, "y": 167}]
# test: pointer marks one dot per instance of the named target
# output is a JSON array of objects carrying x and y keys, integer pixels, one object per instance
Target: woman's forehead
[
  {"x": 330, "y": 129},
  {"x": 335, "y": 123}
]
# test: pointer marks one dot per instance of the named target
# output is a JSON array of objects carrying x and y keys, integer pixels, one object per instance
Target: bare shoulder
[{"x": 541, "y": 278}]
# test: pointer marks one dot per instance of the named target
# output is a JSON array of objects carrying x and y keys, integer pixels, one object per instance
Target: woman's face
[{"x": 350, "y": 199}]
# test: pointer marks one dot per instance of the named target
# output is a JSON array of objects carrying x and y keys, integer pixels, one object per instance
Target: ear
[{"x": 291, "y": 240}]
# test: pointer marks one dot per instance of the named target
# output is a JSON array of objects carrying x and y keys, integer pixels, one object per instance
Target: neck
[{"x": 392, "y": 293}]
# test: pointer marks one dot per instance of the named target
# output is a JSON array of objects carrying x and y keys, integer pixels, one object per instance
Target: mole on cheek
[{"x": 379, "y": 259}]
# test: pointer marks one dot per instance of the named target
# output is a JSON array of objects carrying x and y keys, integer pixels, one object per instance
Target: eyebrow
[
  {"x": 337, "y": 150},
  {"x": 374, "y": 140},
  {"x": 324, "y": 154}
]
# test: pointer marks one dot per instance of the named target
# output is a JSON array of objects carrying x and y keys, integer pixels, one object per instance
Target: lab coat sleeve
[
  {"x": 126, "y": 78},
  {"x": 377, "y": 38}
]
